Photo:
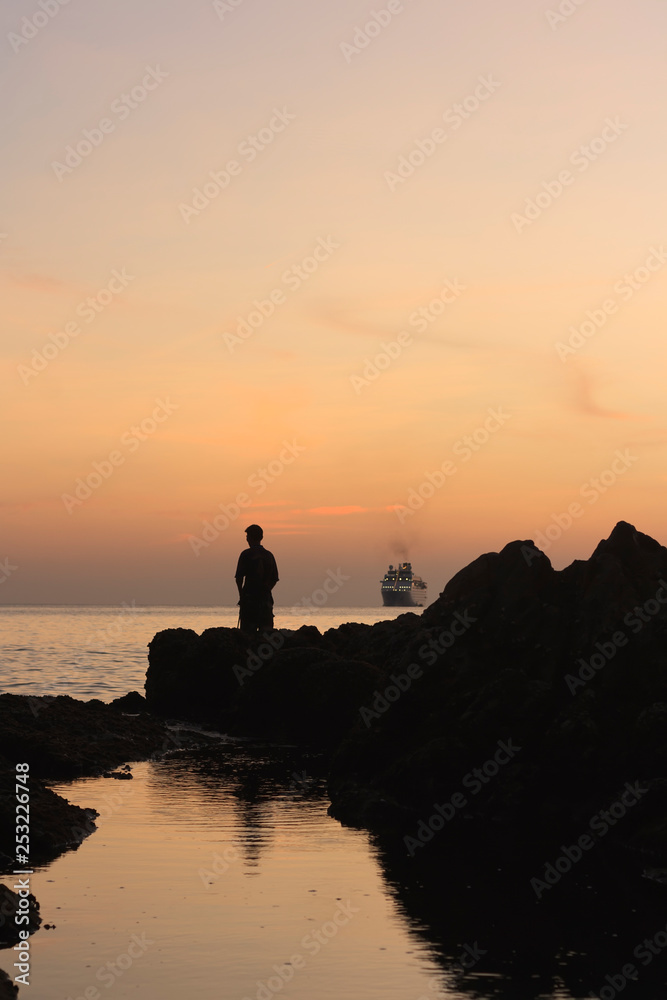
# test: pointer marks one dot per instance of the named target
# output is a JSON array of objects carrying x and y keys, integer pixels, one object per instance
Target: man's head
[{"x": 254, "y": 534}]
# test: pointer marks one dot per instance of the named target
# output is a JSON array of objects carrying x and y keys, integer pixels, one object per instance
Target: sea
[
  {"x": 102, "y": 652},
  {"x": 216, "y": 872}
]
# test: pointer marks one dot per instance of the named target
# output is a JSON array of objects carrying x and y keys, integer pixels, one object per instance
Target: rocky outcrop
[
  {"x": 9, "y": 911},
  {"x": 61, "y": 738},
  {"x": 570, "y": 666},
  {"x": 294, "y": 686},
  {"x": 537, "y": 695},
  {"x": 8, "y": 990}
]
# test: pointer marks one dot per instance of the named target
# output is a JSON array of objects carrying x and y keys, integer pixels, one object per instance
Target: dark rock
[
  {"x": 55, "y": 824},
  {"x": 9, "y": 910},
  {"x": 8, "y": 990},
  {"x": 64, "y": 738},
  {"x": 191, "y": 676},
  {"x": 513, "y": 674},
  {"x": 305, "y": 694},
  {"x": 131, "y": 703},
  {"x": 280, "y": 686},
  {"x": 61, "y": 738}
]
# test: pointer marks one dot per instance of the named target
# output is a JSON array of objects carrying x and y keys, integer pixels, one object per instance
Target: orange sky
[{"x": 297, "y": 259}]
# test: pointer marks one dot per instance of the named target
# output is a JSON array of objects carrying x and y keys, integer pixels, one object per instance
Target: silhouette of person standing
[{"x": 256, "y": 576}]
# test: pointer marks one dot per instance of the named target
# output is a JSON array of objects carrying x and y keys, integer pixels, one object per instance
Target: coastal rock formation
[
  {"x": 535, "y": 696},
  {"x": 61, "y": 738},
  {"x": 9, "y": 910},
  {"x": 8, "y": 991},
  {"x": 569, "y": 667},
  {"x": 293, "y": 686}
]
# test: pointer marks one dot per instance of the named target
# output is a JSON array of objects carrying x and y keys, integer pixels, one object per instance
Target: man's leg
[{"x": 250, "y": 619}]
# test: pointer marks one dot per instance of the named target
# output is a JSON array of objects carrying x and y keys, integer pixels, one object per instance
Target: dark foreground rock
[
  {"x": 8, "y": 990},
  {"x": 62, "y": 738},
  {"x": 526, "y": 699},
  {"x": 9, "y": 910},
  {"x": 294, "y": 686},
  {"x": 544, "y": 705},
  {"x": 59, "y": 739}
]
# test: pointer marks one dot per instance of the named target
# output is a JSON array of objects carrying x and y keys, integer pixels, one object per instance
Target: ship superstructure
[{"x": 401, "y": 588}]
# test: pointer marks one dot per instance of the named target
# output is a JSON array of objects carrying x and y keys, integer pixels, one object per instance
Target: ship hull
[{"x": 393, "y": 600}]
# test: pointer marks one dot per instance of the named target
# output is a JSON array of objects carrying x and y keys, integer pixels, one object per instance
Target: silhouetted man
[{"x": 256, "y": 576}]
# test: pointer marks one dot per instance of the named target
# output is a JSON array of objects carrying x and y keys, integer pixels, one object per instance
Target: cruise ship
[{"x": 402, "y": 589}]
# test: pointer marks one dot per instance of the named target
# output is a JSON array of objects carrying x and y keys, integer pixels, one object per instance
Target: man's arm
[
  {"x": 240, "y": 574},
  {"x": 273, "y": 572}
]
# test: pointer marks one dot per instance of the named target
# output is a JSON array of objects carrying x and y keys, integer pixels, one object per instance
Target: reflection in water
[
  {"x": 476, "y": 911},
  {"x": 254, "y": 777},
  {"x": 455, "y": 921},
  {"x": 495, "y": 938}
]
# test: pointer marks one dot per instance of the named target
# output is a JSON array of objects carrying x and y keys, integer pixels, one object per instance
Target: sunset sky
[{"x": 453, "y": 189}]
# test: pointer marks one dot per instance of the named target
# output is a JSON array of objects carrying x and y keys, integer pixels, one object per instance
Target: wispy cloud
[{"x": 343, "y": 511}]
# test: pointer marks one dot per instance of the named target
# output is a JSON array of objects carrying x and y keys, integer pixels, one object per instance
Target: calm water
[
  {"x": 226, "y": 867},
  {"x": 97, "y": 652}
]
